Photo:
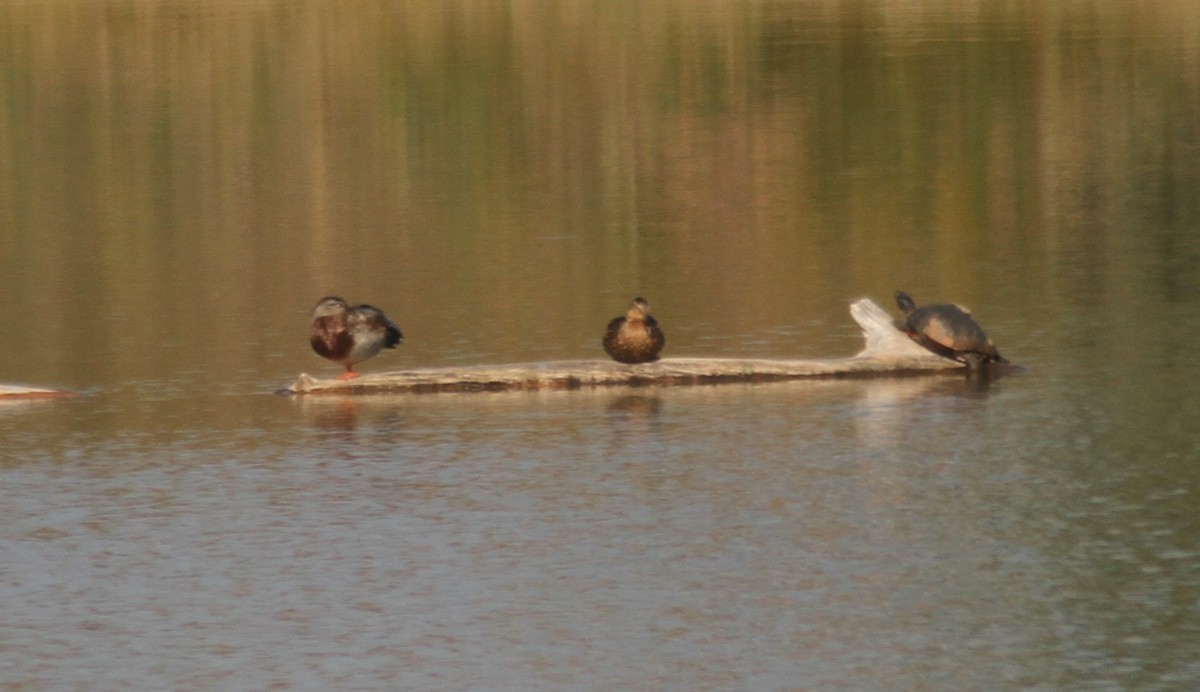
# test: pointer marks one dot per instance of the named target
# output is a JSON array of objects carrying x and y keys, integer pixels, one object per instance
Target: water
[{"x": 180, "y": 182}]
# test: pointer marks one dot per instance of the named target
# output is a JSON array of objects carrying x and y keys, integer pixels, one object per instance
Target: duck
[
  {"x": 635, "y": 337},
  {"x": 349, "y": 335}
]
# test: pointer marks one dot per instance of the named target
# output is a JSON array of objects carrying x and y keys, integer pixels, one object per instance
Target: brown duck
[
  {"x": 350, "y": 335},
  {"x": 634, "y": 337}
]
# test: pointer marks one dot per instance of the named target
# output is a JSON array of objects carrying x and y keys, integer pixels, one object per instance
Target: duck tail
[{"x": 393, "y": 338}]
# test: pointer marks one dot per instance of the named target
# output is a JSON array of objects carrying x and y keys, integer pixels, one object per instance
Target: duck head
[
  {"x": 639, "y": 309},
  {"x": 329, "y": 306}
]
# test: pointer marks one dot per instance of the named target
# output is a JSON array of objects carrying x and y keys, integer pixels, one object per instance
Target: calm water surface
[{"x": 179, "y": 183}]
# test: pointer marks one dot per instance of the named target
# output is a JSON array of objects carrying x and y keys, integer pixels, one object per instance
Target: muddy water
[{"x": 178, "y": 185}]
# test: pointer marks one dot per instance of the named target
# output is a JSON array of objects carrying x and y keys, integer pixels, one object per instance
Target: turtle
[
  {"x": 949, "y": 331},
  {"x": 349, "y": 335},
  {"x": 635, "y": 337}
]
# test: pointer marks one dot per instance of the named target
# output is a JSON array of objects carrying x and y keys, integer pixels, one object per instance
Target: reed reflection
[{"x": 170, "y": 197}]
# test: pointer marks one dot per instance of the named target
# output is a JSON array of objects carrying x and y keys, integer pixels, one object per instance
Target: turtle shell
[
  {"x": 947, "y": 330},
  {"x": 950, "y": 332}
]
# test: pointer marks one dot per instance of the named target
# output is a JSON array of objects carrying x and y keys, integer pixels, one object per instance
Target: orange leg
[{"x": 348, "y": 375}]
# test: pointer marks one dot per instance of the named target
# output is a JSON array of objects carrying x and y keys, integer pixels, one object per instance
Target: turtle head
[{"x": 905, "y": 302}]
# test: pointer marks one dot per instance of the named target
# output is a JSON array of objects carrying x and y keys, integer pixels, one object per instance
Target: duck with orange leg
[{"x": 348, "y": 335}]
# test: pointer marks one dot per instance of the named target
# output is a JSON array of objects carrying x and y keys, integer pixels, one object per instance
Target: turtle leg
[{"x": 973, "y": 360}]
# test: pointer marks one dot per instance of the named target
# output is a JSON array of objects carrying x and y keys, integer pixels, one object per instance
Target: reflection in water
[
  {"x": 981, "y": 382},
  {"x": 891, "y": 409},
  {"x": 333, "y": 413},
  {"x": 639, "y": 409},
  {"x": 14, "y": 406},
  {"x": 658, "y": 531},
  {"x": 750, "y": 179},
  {"x": 636, "y": 439},
  {"x": 376, "y": 414}
]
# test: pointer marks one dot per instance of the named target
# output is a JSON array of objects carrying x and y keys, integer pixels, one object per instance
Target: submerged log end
[
  {"x": 20, "y": 392},
  {"x": 303, "y": 384}
]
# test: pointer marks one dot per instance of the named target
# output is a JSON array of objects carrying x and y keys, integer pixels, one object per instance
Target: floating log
[
  {"x": 20, "y": 392},
  {"x": 888, "y": 352}
]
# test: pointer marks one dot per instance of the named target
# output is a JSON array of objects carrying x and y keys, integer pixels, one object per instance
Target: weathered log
[
  {"x": 888, "y": 352},
  {"x": 20, "y": 392}
]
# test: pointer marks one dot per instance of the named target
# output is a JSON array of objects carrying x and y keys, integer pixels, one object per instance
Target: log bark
[{"x": 888, "y": 352}]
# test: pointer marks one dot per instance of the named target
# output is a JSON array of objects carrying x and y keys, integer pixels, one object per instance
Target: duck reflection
[
  {"x": 636, "y": 444},
  {"x": 330, "y": 413},
  {"x": 638, "y": 411},
  {"x": 347, "y": 413}
]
